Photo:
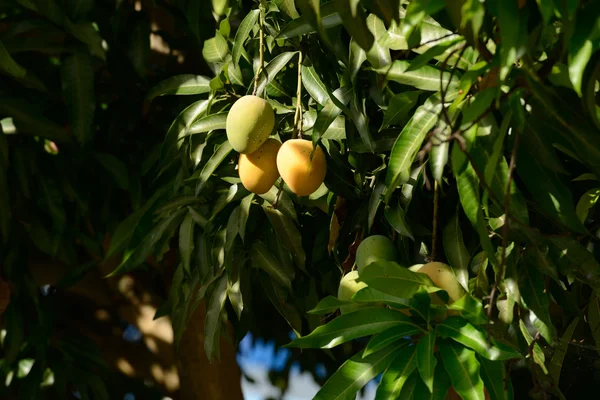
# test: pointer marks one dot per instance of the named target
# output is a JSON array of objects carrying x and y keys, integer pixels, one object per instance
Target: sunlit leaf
[
  {"x": 463, "y": 368},
  {"x": 397, "y": 374}
]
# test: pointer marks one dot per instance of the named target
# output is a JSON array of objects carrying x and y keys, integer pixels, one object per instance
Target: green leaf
[
  {"x": 374, "y": 202},
  {"x": 215, "y": 49},
  {"x": 593, "y": 316},
  {"x": 584, "y": 42},
  {"x": 409, "y": 142},
  {"x": 302, "y": 25},
  {"x": 395, "y": 216},
  {"x": 179, "y": 128},
  {"x": 370, "y": 295},
  {"x": 587, "y": 201},
  {"x": 479, "y": 105},
  {"x": 579, "y": 259},
  {"x": 356, "y": 373},
  {"x": 532, "y": 287},
  {"x": 355, "y": 22},
  {"x": 116, "y": 167},
  {"x": 245, "y": 205},
  {"x": 416, "y": 13},
  {"x": 467, "y": 181},
  {"x": 470, "y": 308},
  {"x": 359, "y": 323},
  {"x": 456, "y": 251},
  {"x": 541, "y": 260},
  {"x": 186, "y": 241},
  {"x": 212, "y": 325},
  {"x": 494, "y": 378},
  {"x": 538, "y": 354},
  {"x": 393, "y": 279},
  {"x": 463, "y": 332},
  {"x": 209, "y": 123},
  {"x": 399, "y": 108},
  {"x": 361, "y": 121},
  {"x": 560, "y": 351},
  {"x": 378, "y": 55},
  {"x": 513, "y": 36},
  {"x": 262, "y": 258},
  {"x": 356, "y": 59},
  {"x": 211, "y": 165},
  {"x": 272, "y": 69},
  {"x": 426, "y": 77},
  {"x": 328, "y": 305},
  {"x": 288, "y": 233},
  {"x": 386, "y": 10},
  {"x": 397, "y": 374},
  {"x": 330, "y": 112},
  {"x": 186, "y": 84},
  {"x": 313, "y": 84},
  {"x": 27, "y": 119},
  {"x": 426, "y": 360},
  {"x": 14, "y": 69},
  {"x": 278, "y": 297},
  {"x": 288, "y": 7},
  {"x": 463, "y": 368},
  {"x": 433, "y": 52},
  {"x": 389, "y": 336},
  {"x": 243, "y": 32}
]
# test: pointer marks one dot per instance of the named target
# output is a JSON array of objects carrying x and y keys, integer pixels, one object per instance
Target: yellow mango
[
  {"x": 258, "y": 170},
  {"x": 302, "y": 175}
]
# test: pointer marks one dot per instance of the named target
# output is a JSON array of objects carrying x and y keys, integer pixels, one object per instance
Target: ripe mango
[
  {"x": 349, "y": 286},
  {"x": 374, "y": 248},
  {"x": 249, "y": 124},
  {"x": 302, "y": 175},
  {"x": 258, "y": 170},
  {"x": 444, "y": 278}
]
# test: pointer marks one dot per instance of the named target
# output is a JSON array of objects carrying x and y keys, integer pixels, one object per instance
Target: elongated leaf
[
  {"x": 328, "y": 305},
  {"x": 209, "y": 123},
  {"x": 463, "y": 332},
  {"x": 513, "y": 36},
  {"x": 272, "y": 69},
  {"x": 370, "y": 295},
  {"x": 586, "y": 202},
  {"x": 538, "y": 354},
  {"x": 186, "y": 241},
  {"x": 180, "y": 126},
  {"x": 243, "y": 33},
  {"x": 245, "y": 205},
  {"x": 409, "y": 142},
  {"x": 115, "y": 167},
  {"x": 433, "y": 52},
  {"x": 28, "y": 120},
  {"x": 288, "y": 233},
  {"x": 212, "y": 325},
  {"x": 355, "y": 22},
  {"x": 330, "y": 112},
  {"x": 584, "y": 43},
  {"x": 288, "y": 7},
  {"x": 397, "y": 374},
  {"x": 541, "y": 260},
  {"x": 186, "y": 84},
  {"x": 426, "y": 360},
  {"x": 463, "y": 368},
  {"x": 313, "y": 83},
  {"x": 395, "y": 216},
  {"x": 532, "y": 287},
  {"x": 361, "y": 121},
  {"x": 494, "y": 377},
  {"x": 359, "y": 323},
  {"x": 470, "y": 308},
  {"x": 399, "y": 108},
  {"x": 265, "y": 260},
  {"x": 389, "y": 336},
  {"x": 374, "y": 203},
  {"x": 425, "y": 78},
  {"x": 593, "y": 315},
  {"x": 456, "y": 251},
  {"x": 356, "y": 373},
  {"x": 302, "y": 25},
  {"x": 211, "y": 165},
  {"x": 391, "y": 278},
  {"x": 578, "y": 258},
  {"x": 277, "y": 294},
  {"x": 560, "y": 351},
  {"x": 378, "y": 55},
  {"x": 356, "y": 59}
]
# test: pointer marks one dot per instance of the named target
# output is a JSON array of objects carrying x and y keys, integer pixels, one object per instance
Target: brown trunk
[{"x": 201, "y": 379}]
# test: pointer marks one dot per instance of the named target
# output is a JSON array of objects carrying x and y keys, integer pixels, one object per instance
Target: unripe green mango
[
  {"x": 374, "y": 248},
  {"x": 249, "y": 124},
  {"x": 349, "y": 286}
]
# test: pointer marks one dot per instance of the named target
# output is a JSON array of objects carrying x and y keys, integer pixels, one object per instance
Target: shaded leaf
[
  {"x": 328, "y": 305},
  {"x": 355, "y": 22},
  {"x": 397, "y": 374},
  {"x": 262, "y": 258},
  {"x": 211, "y": 165},
  {"x": 399, "y": 108},
  {"x": 395, "y": 216},
  {"x": 186, "y": 84},
  {"x": 391, "y": 278},
  {"x": 560, "y": 351},
  {"x": 212, "y": 325},
  {"x": 456, "y": 251},
  {"x": 272, "y": 69},
  {"x": 426, "y": 77},
  {"x": 538, "y": 354},
  {"x": 389, "y": 336},
  {"x": 426, "y": 360},
  {"x": 186, "y": 241},
  {"x": 330, "y": 18},
  {"x": 494, "y": 377},
  {"x": 27, "y": 119},
  {"x": 288, "y": 233},
  {"x": 532, "y": 287}
]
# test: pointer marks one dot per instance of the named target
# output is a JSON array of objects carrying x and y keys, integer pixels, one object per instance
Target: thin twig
[
  {"x": 435, "y": 220},
  {"x": 261, "y": 50},
  {"x": 298, "y": 113}
]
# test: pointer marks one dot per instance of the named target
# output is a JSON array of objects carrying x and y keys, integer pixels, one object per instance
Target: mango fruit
[
  {"x": 349, "y": 286},
  {"x": 302, "y": 175},
  {"x": 444, "y": 278},
  {"x": 374, "y": 248},
  {"x": 249, "y": 124},
  {"x": 258, "y": 170}
]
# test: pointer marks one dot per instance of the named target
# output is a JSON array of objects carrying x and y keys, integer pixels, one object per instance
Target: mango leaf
[
  {"x": 328, "y": 305},
  {"x": 278, "y": 296},
  {"x": 470, "y": 308},
  {"x": 399, "y": 108},
  {"x": 359, "y": 323},
  {"x": 245, "y": 205},
  {"x": 288, "y": 7},
  {"x": 243, "y": 33},
  {"x": 186, "y": 241},
  {"x": 541, "y": 260},
  {"x": 356, "y": 59},
  {"x": 378, "y": 55},
  {"x": 77, "y": 75},
  {"x": 356, "y": 373},
  {"x": 560, "y": 351},
  {"x": 262, "y": 258},
  {"x": 386, "y": 10},
  {"x": 330, "y": 18},
  {"x": 584, "y": 42},
  {"x": 409, "y": 142},
  {"x": 579, "y": 259},
  {"x": 370, "y": 295},
  {"x": 538, "y": 354},
  {"x": 463, "y": 332},
  {"x": 212, "y": 325},
  {"x": 426, "y": 77},
  {"x": 593, "y": 316},
  {"x": 587, "y": 201},
  {"x": 288, "y": 233},
  {"x": 426, "y": 360},
  {"x": 463, "y": 368},
  {"x": 355, "y": 22},
  {"x": 415, "y": 14},
  {"x": 215, "y": 49},
  {"x": 532, "y": 287},
  {"x": 14, "y": 69},
  {"x": 180, "y": 126},
  {"x": 395, "y": 216},
  {"x": 513, "y": 36},
  {"x": 330, "y": 112},
  {"x": 211, "y": 165},
  {"x": 186, "y": 84},
  {"x": 27, "y": 119},
  {"x": 495, "y": 379},
  {"x": 393, "y": 279},
  {"x": 272, "y": 69},
  {"x": 313, "y": 84},
  {"x": 209, "y": 123},
  {"x": 397, "y": 374},
  {"x": 433, "y": 52},
  {"x": 389, "y": 336},
  {"x": 456, "y": 251},
  {"x": 467, "y": 181},
  {"x": 374, "y": 202}
]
